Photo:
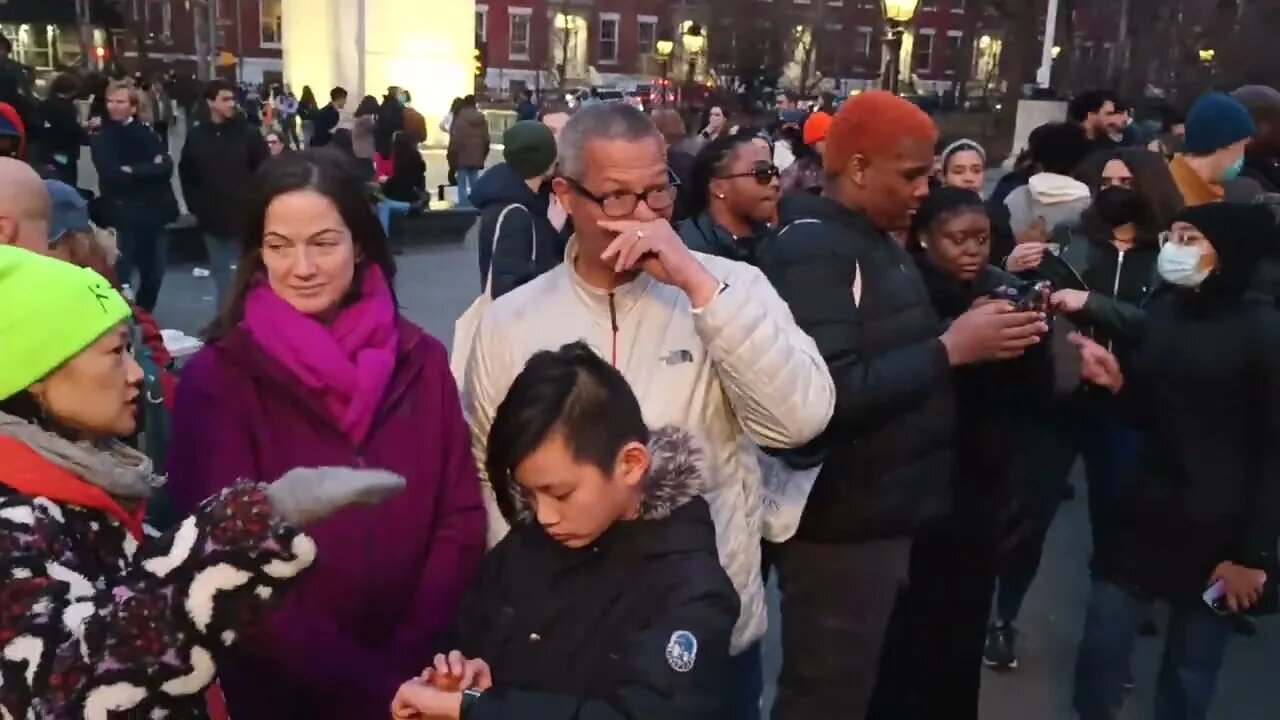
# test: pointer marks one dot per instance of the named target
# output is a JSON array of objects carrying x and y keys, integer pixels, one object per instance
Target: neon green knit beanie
[{"x": 49, "y": 311}]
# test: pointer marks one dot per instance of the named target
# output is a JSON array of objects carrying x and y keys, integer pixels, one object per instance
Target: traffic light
[
  {"x": 481, "y": 58},
  {"x": 101, "y": 53}
]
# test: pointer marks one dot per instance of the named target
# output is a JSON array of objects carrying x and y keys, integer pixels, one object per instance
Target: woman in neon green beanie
[{"x": 95, "y": 615}]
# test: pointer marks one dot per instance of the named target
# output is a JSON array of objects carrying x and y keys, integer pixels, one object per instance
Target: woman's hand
[
  {"x": 1097, "y": 365},
  {"x": 416, "y": 700},
  {"x": 454, "y": 672},
  {"x": 1243, "y": 585},
  {"x": 1069, "y": 301},
  {"x": 1025, "y": 256}
]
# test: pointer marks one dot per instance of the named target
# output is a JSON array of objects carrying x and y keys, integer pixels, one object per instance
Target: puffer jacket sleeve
[
  {"x": 771, "y": 371},
  {"x": 490, "y": 372},
  {"x": 675, "y": 669},
  {"x": 69, "y": 650}
]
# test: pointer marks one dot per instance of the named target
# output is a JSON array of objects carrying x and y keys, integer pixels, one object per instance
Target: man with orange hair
[{"x": 886, "y": 455}]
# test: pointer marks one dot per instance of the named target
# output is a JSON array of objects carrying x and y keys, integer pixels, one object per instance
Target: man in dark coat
[
  {"x": 390, "y": 120},
  {"x": 327, "y": 119},
  {"x": 218, "y": 160},
  {"x": 468, "y": 147},
  {"x": 886, "y": 455}
]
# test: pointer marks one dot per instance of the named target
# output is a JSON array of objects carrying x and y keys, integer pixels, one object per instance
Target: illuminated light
[
  {"x": 100, "y": 51},
  {"x": 427, "y": 48}
]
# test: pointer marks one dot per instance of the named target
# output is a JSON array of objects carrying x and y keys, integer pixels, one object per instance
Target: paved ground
[{"x": 437, "y": 283}]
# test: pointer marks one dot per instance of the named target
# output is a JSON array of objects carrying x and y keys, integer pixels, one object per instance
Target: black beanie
[{"x": 1241, "y": 235}]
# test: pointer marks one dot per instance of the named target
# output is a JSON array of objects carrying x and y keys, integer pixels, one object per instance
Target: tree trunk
[{"x": 1019, "y": 61}]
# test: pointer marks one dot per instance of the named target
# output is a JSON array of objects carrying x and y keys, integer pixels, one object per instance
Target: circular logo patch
[{"x": 682, "y": 651}]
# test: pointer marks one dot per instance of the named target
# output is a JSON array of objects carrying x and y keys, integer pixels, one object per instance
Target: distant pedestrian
[
  {"x": 414, "y": 123},
  {"x": 62, "y": 133},
  {"x": 364, "y": 127},
  {"x": 526, "y": 110},
  {"x": 468, "y": 147},
  {"x": 390, "y": 120},
  {"x": 134, "y": 173},
  {"x": 287, "y": 111},
  {"x": 219, "y": 158},
  {"x": 327, "y": 120}
]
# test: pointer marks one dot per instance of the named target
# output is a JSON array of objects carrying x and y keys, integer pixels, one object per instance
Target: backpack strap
[{"x": 493, "y": 246}]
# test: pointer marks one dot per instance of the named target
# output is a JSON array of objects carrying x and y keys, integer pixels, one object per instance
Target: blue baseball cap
[{"x": 70, "y": 211}]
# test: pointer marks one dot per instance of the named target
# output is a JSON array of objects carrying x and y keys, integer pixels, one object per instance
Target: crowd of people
[{"x": 816, "y": 351}]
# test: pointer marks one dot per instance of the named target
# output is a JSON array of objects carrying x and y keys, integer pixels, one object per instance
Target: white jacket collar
[{"x": 625, "y": 296}]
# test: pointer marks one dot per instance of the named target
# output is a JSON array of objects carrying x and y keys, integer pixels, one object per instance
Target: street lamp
[
  {"x": 694, "y": 41},
  {"x": 663, "y": 49},
  {"x": 897, "y": 13}
]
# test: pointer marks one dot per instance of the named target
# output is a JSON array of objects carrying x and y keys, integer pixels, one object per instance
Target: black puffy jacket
[
  {"x": 887, "y": 451},
  {"x": 634, "y": 626}
]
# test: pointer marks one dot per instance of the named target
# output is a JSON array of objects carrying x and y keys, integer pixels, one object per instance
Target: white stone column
[{"x": 366, "y": 46}]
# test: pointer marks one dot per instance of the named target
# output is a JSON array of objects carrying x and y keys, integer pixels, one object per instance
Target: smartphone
[{"x": 1216, "y": 598}]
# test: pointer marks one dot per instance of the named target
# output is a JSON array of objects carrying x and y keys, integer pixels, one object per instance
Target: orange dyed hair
[{"x": 872, "y": 124}]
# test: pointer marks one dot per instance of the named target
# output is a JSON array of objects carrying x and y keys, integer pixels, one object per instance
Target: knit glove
[{"x": 308, "y": 495}]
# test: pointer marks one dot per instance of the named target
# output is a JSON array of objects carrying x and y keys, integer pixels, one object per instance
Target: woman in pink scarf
[{"x": 310, "y": 364}]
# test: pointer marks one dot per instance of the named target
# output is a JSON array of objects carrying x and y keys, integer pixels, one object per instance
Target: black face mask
[{"x": 1118, "y": 206}]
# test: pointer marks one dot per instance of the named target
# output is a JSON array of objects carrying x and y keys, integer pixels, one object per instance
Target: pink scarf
[{"x": 349, "y": 363}]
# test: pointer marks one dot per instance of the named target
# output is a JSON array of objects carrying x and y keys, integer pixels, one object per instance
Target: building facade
[{"x": 245, "y": 37}]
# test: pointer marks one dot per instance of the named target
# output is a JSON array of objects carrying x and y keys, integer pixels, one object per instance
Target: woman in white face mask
[
  {"x": 1186, "y": 256},
  {"x": 1198, "y": 526}
]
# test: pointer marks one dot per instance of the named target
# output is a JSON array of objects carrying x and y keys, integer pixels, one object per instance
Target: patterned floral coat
[{"x": 95, "y": 625}]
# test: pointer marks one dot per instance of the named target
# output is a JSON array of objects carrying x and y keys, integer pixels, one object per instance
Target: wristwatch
[{"x": 469, "y": 699}]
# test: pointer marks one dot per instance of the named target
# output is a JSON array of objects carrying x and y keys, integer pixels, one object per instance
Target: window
[
  {"x": 928, "y": 5},
  {"x": 924, "y": 50},
  {"x": 608, "y": 38},
  {"x": 835, "y": 3},
  {"x": 272, "y": 22},
  {"x": 862, "y": 41},
  {"x": 520, "y": 17},
  {"x": 165, "y": 29},
  {"x": 957, "y": 6},
  {"x": 955, "y": 44},
  {"x": 482, "y": 24},
  {"x": 646, "y": 34}
]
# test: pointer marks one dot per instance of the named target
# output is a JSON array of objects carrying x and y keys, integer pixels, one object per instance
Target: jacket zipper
[
  {"x": 613, "y": 324},
  {"x": 1115, "y": 287}
]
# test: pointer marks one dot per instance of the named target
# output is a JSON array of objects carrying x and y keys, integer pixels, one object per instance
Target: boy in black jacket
[{"x": 607, "y": 599}]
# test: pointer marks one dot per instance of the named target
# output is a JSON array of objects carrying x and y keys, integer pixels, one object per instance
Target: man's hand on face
[{"x": 654, "y": 247}]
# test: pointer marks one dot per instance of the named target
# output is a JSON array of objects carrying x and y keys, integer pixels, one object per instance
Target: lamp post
[
  {"x": 897, "y": 14},
  {"x": 663, "y": 49},
  {"x": 693, "y": 41}
]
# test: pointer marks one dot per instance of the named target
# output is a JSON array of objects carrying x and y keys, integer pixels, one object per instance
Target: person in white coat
[{"x": 705, "y": 342}]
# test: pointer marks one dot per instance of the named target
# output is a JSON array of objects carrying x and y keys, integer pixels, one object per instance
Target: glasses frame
[
  {"x": 671, "y": 189},
  {"x": 763, "y": 175}
]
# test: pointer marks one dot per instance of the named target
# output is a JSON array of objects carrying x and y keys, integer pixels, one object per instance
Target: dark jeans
[
  {"x": 162, "y": 129},
  {"x": 68, "y": 172},
  {"x": 836, "y": 605},
  {"x": 746, "y": 685},
  {"x": 1087, "y": 425},
  {"x": 290, "y": 127},
  {"x": 1195, "y": 645},
  {"x": 141, "y": 248},
  {"x": 223, "y": 254},
  {"x": 932, "y": 661}
]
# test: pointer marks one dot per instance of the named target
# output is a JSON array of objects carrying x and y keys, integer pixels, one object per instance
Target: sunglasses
[{"x": 763, "y": 172}]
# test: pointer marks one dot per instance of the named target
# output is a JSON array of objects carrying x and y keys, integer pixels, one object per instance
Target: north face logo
[{"x": 677, "y": 357}]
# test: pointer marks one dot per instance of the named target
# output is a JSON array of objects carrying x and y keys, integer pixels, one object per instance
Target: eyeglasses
[
  {"x": 763, "y": 172},
  {"x": 621, "y": 203},
  {"x": 1180, "y": 237}
]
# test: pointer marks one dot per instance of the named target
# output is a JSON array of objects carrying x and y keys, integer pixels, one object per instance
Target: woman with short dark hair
[{"x": 310, "y": 363}]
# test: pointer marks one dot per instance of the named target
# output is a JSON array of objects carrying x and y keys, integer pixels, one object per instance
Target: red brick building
[
  {"x": 247, "y": 32},
  {"x": 532, "y": 43}
]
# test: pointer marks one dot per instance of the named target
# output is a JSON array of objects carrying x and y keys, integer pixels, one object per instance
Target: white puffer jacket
[{"x": 740, "y": 372}]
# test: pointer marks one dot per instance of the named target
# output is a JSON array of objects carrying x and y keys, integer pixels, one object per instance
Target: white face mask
[{"x": 1180, "y": 265}]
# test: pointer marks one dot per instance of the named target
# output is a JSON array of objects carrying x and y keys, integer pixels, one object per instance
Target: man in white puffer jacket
[{"x": 705, "y": 342}]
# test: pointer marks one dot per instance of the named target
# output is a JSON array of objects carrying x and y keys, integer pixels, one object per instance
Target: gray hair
[{"x": 610, "y": 121}]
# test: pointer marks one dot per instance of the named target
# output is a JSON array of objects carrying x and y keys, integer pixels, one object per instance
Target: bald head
[{"x": 24, "y": 207}]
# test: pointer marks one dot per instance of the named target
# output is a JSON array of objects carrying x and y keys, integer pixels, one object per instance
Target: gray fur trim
[{"x": 678, "y": 473}]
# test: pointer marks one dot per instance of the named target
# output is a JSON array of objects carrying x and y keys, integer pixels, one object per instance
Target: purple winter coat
[{"x": 388, "y": 579}]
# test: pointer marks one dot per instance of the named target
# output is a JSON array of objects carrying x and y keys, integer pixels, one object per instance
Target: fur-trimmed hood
[{"x": 678, "y": 473}]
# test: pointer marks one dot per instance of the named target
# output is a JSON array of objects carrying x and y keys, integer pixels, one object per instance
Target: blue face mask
[{"x": 1233, "y": 172}]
